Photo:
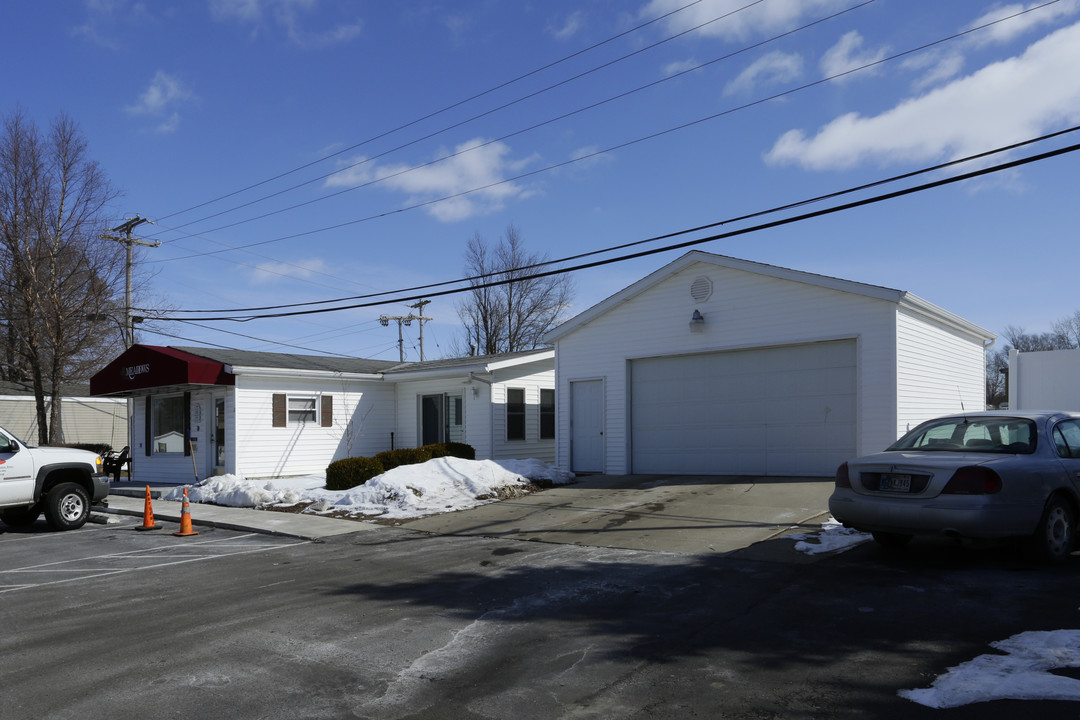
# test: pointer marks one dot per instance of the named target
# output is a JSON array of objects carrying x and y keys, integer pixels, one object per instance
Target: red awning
[{"x": 142, "y": 367}]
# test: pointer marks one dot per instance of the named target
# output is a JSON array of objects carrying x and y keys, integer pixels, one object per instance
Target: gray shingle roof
[
  {"x": 251, "y": 358},
  {"x": 288, "y": 361},
  {"x": 449, "y": 363}
]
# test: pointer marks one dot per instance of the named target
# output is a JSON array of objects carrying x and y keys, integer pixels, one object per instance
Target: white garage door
[{"x": 775, "y": 411}]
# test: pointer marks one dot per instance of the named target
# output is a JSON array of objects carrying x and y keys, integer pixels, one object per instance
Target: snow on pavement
[
  {"x": 1022, "y": 673},
  {"x": 833, "y": 537}
]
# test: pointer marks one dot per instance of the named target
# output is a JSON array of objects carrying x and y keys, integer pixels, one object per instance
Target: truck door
[{"x": 16, "y": 472}]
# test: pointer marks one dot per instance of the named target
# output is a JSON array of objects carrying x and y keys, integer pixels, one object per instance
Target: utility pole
[
  {"x": 407, "y": 321},
  {"x": 419, "y": 306},
  {"x": 130, "y": 242}
]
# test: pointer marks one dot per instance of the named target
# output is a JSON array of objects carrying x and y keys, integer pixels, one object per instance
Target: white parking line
[{"x": 91, "y": 573}]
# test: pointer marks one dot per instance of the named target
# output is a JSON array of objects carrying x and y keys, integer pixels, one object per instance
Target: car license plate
[{"x": 895, "y": 483}]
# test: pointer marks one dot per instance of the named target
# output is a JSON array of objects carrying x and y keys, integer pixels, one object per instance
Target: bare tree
[
  {"x": 515, "y": 312},
  {"x": 59, "y": 274}
]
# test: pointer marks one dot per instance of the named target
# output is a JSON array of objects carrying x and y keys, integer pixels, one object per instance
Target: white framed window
[{"x": 302, "y": 409}]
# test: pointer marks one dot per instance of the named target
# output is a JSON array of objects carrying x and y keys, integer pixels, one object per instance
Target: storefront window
[{"x": 168, "y": 424}]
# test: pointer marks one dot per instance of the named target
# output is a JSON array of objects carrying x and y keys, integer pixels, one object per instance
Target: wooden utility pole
[
  {"x": 407, "y": 321},
  {"x": 130, "y": 241}
]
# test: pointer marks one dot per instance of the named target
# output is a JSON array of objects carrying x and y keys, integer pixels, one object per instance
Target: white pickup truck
[{"x": 61, "y": 482}]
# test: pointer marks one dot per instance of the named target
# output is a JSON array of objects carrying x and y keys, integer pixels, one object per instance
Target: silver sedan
[{"x": 982, "y": 475}]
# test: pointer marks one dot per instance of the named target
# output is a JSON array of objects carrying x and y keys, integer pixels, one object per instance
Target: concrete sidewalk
[
  {"x": 666, "y": 513},
  {"x": 167, "y": 513}
]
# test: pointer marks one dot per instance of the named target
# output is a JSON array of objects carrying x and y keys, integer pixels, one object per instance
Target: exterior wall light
[{"x": 697, "y": 322}]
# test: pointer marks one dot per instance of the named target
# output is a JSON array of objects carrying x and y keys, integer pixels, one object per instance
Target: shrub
[
  {"x": 403, "y": 456},
  {"x": 461, "y": 450},
  {"x": 451, "y": 449},
  {"x": 350, "y": 472}
]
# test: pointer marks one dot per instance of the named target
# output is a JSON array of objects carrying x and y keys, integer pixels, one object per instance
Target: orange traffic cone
[
  {"x": 185, "y": 520},
  {"x": 148, "y": 514}
]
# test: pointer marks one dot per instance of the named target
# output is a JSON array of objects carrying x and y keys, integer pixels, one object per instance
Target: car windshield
[{"x": 978, "y": 434}]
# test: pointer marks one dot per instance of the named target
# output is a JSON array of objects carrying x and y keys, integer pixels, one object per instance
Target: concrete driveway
[{"x": 668, "y": 513}]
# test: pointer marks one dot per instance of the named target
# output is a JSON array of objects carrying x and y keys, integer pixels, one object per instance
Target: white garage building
[{"x": 719, "y": 366}]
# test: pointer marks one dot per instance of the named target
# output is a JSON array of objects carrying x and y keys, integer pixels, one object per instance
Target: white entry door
[{"x": 587, "y": 426}]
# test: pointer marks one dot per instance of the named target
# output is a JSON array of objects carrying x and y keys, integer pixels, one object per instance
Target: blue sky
[{"x": 381, "y": 136}]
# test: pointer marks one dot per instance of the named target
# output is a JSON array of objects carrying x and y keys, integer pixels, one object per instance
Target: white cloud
[
  {"x": 275, "y": 271},
  {"x": 569, "y": 27},
  {"x": 286, "y": 15},
  {"x": 939, "y": 64},
  {"x": 1014, "y": 27},
  {"x": 769, "y": 69},
  {"x": 1004, "y": 102},
  {"x": 472, "y": 177},
  {"x": 764, "y": 18},
  {"x": 161, "y": 99},
  {"x": 679, "y": 66},
  {"x": 847, "y": 55},
  {"x": 934, "y": 67}
]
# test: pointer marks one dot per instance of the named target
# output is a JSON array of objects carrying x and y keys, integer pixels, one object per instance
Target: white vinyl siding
[
  {"x": 362, "y": 421},
  {"x": 531, "y": 380},
  {"x": 746, "y": 310},
  {"x": 477, "y": 411},
  {"x": 1047, "y": 380},
  {"x": 939, "y": 371}
]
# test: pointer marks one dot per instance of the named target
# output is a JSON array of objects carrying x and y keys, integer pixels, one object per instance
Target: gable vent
[{"x": 701, "y": 289}]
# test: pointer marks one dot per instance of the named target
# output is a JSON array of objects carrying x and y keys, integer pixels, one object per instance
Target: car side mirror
[{"x": 6, "y": 446}]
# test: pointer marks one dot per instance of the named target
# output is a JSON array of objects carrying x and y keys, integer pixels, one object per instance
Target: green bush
[
  {"x": 350, "y": 472},
  {"x": 403, "y": 456},
  {"x": 451, "y": 449},
  {"x": 461, "y": 450}
]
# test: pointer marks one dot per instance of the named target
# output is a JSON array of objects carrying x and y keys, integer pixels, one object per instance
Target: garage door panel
[{"x": 788, "y": 410}]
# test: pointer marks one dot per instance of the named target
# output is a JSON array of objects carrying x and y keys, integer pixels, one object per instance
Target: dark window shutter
[
  {"x": 279, "y": 410},
  {"x": 149, "y": 431},
  {"x": 187, "y": 423},
  {"x": 327, "y": 411}
]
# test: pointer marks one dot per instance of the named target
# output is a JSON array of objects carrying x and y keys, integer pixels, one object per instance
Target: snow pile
[
  {"x": 833, "y": 537},
  {"x": 408, "y": 491},
  {"x": 1023, "y": 673}
]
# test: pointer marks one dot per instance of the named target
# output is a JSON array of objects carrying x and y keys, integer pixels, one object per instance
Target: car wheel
[
  {"x": 67, "y": 506},
  {"x": 891, "y": 541},
  {"x": 21, "y": 517},
  {"x": 1054, "y": 538}
]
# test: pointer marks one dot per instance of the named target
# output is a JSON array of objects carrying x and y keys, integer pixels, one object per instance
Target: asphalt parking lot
[
  {"x": 37, "y": 558},
  {"x": 393, "y": 622}
]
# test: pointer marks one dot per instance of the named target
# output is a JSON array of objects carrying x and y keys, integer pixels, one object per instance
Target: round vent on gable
[{"x": 701, "y": 289}]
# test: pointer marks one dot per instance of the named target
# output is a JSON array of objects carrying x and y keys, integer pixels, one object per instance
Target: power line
[
  {"x": 445, "y": 109},
  {"x": 492, "y": 111},
  {"x": 521, "y": 131},
  {"x": 689, "y": 243},
  {"x": 589, "y": 156},
  {"x": 657, "y": 238}
]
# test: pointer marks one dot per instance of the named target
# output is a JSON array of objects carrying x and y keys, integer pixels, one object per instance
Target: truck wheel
[
  {"x": 21, "y": 517},
  {"x": 67, "y": 506}
]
